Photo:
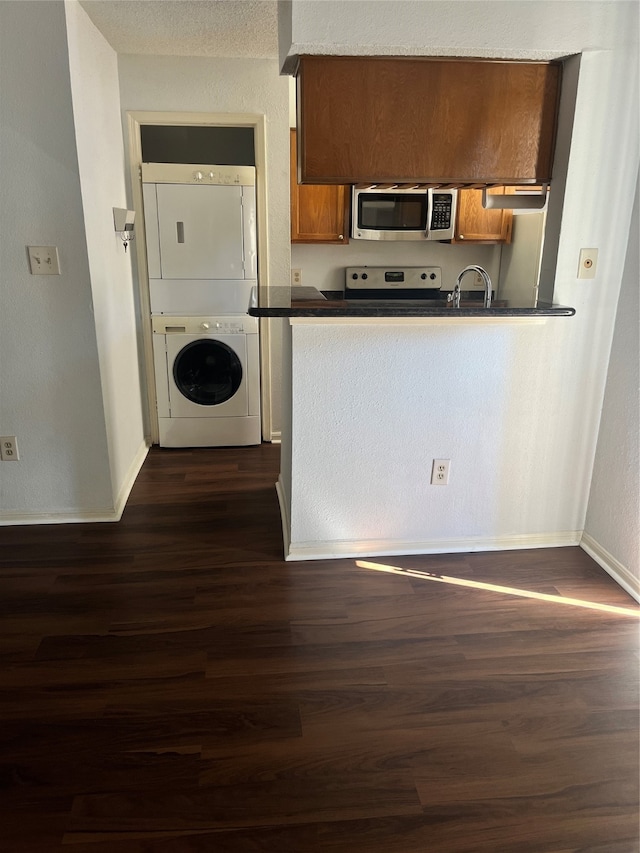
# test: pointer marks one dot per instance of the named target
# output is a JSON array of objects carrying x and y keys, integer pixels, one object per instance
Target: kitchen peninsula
[
  {"x": 296, "y": 302},
  {"x": 365, "y": 414}
]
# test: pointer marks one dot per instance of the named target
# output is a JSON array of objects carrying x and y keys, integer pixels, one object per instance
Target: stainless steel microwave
[{"x": 403, "y": 214}]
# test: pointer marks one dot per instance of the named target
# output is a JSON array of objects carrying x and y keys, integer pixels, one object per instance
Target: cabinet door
[
  {"x": 474, "y": 224},
  {"x": 426, "y": 120},
  {"x": 318, "y": 212}
]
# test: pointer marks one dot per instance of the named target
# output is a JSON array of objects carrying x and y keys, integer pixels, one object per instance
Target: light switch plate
[{"x": 43, "y": 260}]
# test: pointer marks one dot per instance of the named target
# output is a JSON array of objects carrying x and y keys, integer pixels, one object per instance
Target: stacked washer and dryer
[{"x": 200, "y": 224}]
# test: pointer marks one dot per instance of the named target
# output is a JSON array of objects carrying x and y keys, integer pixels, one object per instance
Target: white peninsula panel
[{"x": 371, "y": 404}]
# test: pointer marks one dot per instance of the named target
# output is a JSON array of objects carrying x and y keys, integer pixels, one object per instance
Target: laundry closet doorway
[{"x": 197, "y": 138}]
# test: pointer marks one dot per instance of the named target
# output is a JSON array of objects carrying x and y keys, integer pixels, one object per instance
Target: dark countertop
[{"x": 309, "y": 302}]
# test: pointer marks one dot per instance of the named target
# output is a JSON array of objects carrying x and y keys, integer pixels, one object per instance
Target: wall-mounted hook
[{"x": 123, "y": 223}]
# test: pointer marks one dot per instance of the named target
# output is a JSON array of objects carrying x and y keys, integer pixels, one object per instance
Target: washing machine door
[{"x": 207, "y": 376}]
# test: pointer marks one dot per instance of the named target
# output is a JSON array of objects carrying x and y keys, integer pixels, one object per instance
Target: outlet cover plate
[
  {"x": 440, "y": 472},
  {"x": 587, "y": 263},
  {"x": 9, "y": 448}
]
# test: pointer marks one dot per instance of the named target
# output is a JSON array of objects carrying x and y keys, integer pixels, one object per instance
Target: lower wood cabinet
[
  {"x": 474, "y": 224},
  {"x": 319, "y": 213}
]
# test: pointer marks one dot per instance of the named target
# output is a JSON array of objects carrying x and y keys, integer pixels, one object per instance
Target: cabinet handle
[
  {"x": 340, "y": 237},
  {"x": 180, "y": 230}
]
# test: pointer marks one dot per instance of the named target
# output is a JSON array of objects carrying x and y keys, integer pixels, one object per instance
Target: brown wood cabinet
[
  {"x": 426, "y": 120},
  {"x": 319, "y": 213},
  {"x": 474, "y": 224}
]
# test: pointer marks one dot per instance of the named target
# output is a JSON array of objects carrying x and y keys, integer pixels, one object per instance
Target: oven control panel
[{"x": 393, "y": 278}]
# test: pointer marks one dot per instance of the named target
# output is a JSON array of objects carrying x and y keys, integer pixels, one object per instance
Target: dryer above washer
[{"x": 200, "y": 227}]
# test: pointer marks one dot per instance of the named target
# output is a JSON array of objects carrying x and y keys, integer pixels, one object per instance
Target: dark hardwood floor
[{"x": 170, "y": 685}]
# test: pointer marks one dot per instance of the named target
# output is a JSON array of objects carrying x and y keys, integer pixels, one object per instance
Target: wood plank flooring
[{"x": 168, "y": 684}]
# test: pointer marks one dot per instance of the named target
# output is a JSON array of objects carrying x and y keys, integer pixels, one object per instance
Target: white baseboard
[
  {"x": 380, "y": 548},
  {"x": 129, "y": 480},
  {"x": 613, "y": 567},
  {"x": 284, "y": 518},
  {"x": 9, "y": 519},
  {"x": 80, "y": 516}
]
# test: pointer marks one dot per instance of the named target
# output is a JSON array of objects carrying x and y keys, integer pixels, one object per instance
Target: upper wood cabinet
[
  {"x": 406, "y": 120},
  {"x": 474, "y": 224},
  {"x": 318, "y": 212}
]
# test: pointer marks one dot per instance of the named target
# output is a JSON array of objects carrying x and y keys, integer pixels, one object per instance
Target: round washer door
[{"x": 207, "y": 372}]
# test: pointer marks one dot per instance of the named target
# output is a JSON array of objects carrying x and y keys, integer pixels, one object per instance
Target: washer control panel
[
  {"x": 163, "y": 325},
  {"x": 393, "y": 278},
  {"x": 224, "y": 327}
]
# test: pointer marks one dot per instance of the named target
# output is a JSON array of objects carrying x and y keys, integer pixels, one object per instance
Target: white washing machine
[{"x": 207, "y": 380}]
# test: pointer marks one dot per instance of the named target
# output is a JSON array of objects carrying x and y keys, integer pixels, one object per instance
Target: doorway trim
[{"x": 135, "y": 120}]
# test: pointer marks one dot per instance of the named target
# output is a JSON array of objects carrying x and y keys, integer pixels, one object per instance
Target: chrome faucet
[{"x": 455, "y": 296}]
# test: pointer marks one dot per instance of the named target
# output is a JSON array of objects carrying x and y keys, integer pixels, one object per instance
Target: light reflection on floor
[{"x": 506, "y": 590}]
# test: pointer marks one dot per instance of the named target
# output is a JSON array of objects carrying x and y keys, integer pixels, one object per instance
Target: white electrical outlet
[
  {"x": 587, "y": 263},
  {"x": 43, "y": 260},
  {"x": 440, "y": 472},
  {"x": 296, "y": 277},
  {"x": 9, "y": 448}
]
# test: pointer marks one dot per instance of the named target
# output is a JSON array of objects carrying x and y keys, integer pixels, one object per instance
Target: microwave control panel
[{"x": 441, "y": 210}]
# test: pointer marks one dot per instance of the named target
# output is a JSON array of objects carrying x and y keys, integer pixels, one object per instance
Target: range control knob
[
  {"x": 354, "y": 275},
  {"x": 364, "y": 275},
  {"x": 198, "y": 176},
  {"x": 204, "y": 326},
  {"x": 424, "y": 275},
  {"x": 432, "y": 276}
]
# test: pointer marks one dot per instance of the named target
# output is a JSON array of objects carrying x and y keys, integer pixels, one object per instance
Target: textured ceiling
[{"x": 239, "y": 28}]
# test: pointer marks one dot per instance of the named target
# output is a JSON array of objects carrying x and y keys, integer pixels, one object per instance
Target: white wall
[
  {"x": 96, "y": 100},
  {"x": 381, "y": 402},
  {"x": 612, "y": 527},
  {"x": 525, "y": 400},
  {"x": 51, "y": 392},
  {"x": 533, "y": 29},
  {"x": 209, "y": 85}
]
